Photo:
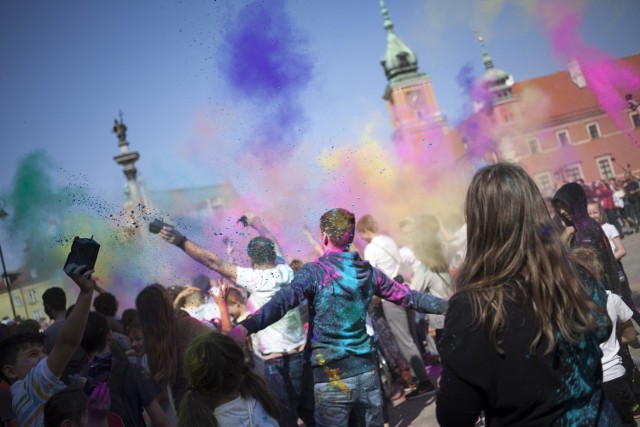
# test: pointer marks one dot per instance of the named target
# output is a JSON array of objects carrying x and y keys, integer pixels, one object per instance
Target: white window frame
[
  {"x": 608, "y": 159},
  {"x": 597, "y": 130},
  {"x": 631, "y": 116},
  {"x": 549, "y": 179},
  {"x": 537, "y": 144},
  {"x": 573, "y": 166},
  {"x": 561, "y": 131}
]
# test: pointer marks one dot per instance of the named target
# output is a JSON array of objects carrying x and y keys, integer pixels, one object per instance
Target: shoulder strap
[
  {"x": 388, "y": 253},
  {"x": 443, "y": 279}
]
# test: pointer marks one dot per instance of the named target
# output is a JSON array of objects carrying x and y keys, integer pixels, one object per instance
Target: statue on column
[{"x": 120, "y": 129}]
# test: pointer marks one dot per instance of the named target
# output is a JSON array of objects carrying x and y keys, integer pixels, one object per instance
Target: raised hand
[{"x": 81, "y": 277}]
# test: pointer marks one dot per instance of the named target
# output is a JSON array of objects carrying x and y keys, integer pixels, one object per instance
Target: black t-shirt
[
  {"x": 136, "y": 388},
  {"x": 632, "y": 185}
]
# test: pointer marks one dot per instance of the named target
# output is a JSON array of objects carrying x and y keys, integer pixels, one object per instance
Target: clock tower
[{"x": 420, "y": 127}]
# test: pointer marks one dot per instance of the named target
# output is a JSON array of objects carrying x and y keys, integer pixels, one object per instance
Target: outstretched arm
[
  {"x": 275, "y": 309},
  {"x": 198, "y": 253},
  {"x": 402, "y": 295}
]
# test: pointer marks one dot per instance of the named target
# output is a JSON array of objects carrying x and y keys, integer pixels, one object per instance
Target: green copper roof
[
  {"x": 398, "y": 59},
  {"x": 497, "y": 80}
]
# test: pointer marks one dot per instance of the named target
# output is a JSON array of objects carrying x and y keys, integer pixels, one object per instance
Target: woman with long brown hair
[
  {"x": 522, "y": 333},
  {"x": 166, "y": 337}
]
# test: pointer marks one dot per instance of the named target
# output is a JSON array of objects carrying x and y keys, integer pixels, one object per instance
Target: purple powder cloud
[
  {"x": 263, "y": 59},
  {"x": 261, "y": 55}
]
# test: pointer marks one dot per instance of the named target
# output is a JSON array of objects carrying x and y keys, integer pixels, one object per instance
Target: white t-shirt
[
  {"x": 383, "y": 253},
  {"x": 29, "y": 395},
  {"x": 618, "y": 198},
  {"x": 287, "y": 333},
  {"x": 242, "y": 412},
  {"x": 612, "y": 363},
  {"x": 611, "y": 232}
]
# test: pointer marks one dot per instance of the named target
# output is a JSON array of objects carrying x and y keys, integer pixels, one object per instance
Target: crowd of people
[{"x": 522, "y": 302}]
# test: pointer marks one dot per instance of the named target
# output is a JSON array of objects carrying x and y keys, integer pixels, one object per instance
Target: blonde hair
[{"x": 189, "y": 295}]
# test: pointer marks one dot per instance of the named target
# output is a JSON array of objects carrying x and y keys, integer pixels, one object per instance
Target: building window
[
  {"x": 38, "y": 315},
  {"x": 534, "y": 146},
  {"x": 17, "y": 300},
  {"x": 563, "y": 137},
  {"x": 33, "y": 298},
  {"x": 594, "y": 130},
  {"x": 635, "y": 120},
  {"x": 573, "y": 173},
  {"x": 544, "y": 183},
  {"x": 605, "y": 167}
]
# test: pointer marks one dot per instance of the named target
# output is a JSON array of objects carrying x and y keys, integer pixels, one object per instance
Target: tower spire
[
  {"x": 399, "y": 59},
  {"x": 488, "y": 62},
  {"x": 388, "y": 24}
]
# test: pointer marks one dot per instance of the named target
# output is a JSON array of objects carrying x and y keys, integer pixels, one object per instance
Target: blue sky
[{"x": 68, "y": 67}]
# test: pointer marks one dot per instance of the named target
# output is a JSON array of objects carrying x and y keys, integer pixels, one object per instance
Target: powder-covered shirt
[
  {"x": 30, "y": 394},
  {"x": 339, "y": 287},
  {"x": 612, "y": 363},
  {"x": 243, "y": 412},
  {"x": 286, "y": 334}
]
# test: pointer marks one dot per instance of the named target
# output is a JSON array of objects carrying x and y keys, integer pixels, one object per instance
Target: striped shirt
[{"x": 30, "y": 394}]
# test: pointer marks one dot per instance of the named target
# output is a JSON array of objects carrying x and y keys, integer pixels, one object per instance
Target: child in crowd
[
  {"x": 596, "y": 213},
  {"x": 223, "y": 391},
  {"x": 238, "y": 310},
  {"x": 193, "y": 301},
  {"x": 34, "y": 376},
  {"x": 131, "y": 386},
  {"x": 71, "y": 408},
  {"x": 136, "y": 354}
]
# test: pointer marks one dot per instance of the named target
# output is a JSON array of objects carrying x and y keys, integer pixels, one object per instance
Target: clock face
[{"x": 414, "y": 98}]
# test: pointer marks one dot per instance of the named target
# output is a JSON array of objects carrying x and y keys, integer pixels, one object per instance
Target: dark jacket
[
  {"x": 339, "y": 288},
  {"x": 589, "y": 233},
  {"x": 518, "y": 387}
]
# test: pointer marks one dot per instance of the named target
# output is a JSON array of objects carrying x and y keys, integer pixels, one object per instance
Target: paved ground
[{"x": 421, "y": 412}]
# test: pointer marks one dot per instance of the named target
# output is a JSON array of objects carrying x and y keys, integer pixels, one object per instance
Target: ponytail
[
  {"x": 254, "y": 386},
  {"x": 196, "y": 410}
]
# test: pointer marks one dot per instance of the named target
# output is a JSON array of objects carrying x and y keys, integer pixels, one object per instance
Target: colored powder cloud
[
  {"x": 607, "y": 78},
  {"x": 262, "y": 59}
]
